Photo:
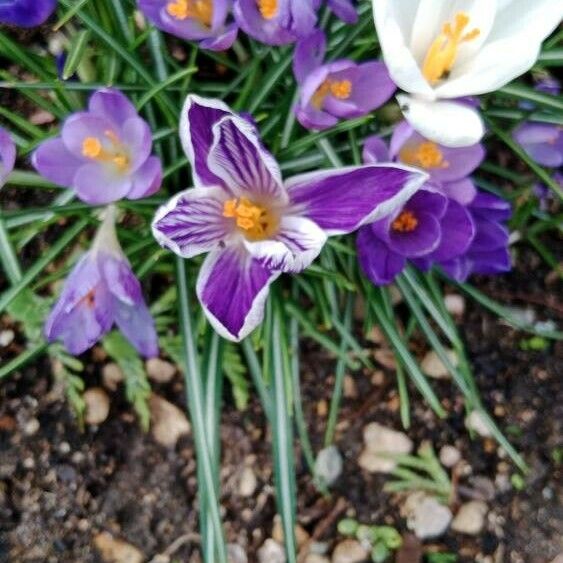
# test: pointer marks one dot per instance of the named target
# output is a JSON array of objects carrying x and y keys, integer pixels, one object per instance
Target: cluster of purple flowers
[{"x": 26, "y": 13}]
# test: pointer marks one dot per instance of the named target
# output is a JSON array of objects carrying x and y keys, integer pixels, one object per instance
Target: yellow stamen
[
  {"x": 92, "y": 148},
  {"x": 341, "y": 89},
  {"x": 426, "y": 155},
  {"x": 200, "y": 10},
  {"x": 255, "y": 221},
  {"x": 442, "y": 54},
  {"x": 406, "y": 222},
  {"x": 268, "y": 8}
]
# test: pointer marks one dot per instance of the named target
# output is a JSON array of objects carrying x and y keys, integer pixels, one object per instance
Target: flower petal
[
  {"x": 54, "y": 161},
  {"x": 375, "y": 150},
  {"x": 341, "y": 200},
  {"x": 232, "y": 288},
  {"x": 192, "y": 222},
  {"x": 309, "y": 54},
  {"x": 240, "y": 160},
  {"x": 7, "y": 155},
  {"x": 447, "y": 123},
  {"x": 379, "y": 263},
  {"x": 98, "y": 184},
  {"x": 147, "y": 180},
  {"x": 108, "y": 103}
]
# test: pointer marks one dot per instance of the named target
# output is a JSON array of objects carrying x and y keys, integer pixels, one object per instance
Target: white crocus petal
[
  {"x": 394, "y": 38},
  {"x": 298, "y": 242},
  {"x": 447, "y": 123}
]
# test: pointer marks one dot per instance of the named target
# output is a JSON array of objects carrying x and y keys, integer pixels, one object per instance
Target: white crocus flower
[{"x": 440, "y": 50}]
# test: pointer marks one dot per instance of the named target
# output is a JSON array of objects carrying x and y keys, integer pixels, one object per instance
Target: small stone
[
  {"x": 470, "y": 518},
  {"x": 112, "y": 376},
  {"x": 378, "y": 378},
  {"x": 386, "y": 358},
  {"x": 381, "y": 440},
  {"x": 476, "y": 422},
  {"x": 31, "y": 427},
  {"x": 350, "y": 389},
  {"x": 97, "y": 405},
  {"x": 433, "y": 366},
  {"x": 236, "y": 554},
  {"x": 558, "y": 559},
  {"x": 271, "y": 552},
  {"x": 159, "y": 370},
  {"x": 6, "y": 337},
  {"x": 301, "y": 535},
  {"x": 328, "y": 465},
  {"x": 315, "y": 558},
  {"x": 322, "y": 408},
  {"x": 113, "y": 550},
  {"x": 168, "y": 422},
  {"x": 349, "y": 551},
  {"x": 449, "y": 456},
  {"x": 426, "y": 516},
  {"x": 247, "y": 482},
  {"x": 41, "y": 117},
  {"x": 455, "y": 304}
]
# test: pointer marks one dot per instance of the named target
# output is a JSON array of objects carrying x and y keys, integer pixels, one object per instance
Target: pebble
[
  {"x": 315, "y": 558},
  {"x": 112, "y": 376},
  {"x": 6, "y": 337},
  {"x": 350, "y": 389},
  {"x": 449, "y": 456},
  {"x": 247, "y": 482},
  {"x": 113, "y": 550},
  {"x": 558, "y": 559},
  {"x": 378, "y": 439},
  {"x": 168, "y": 422},
  {"x": 271, "y": 552},
  {"x": 427, "y": 517},
  {"x": 301, "y": 535},
  {"x": 159, "y": 370},
  {"x": 97, "y": 405},
  {"x": 476, "y": 422},
  {"x": 236, "y": 554},
  {"x": 470, "y": 518},
  {"x": 31, "y": 427},
  {"x": 349, "y": 551},
  {"x": 455, "y": 304},
  {"x": 386, "y": 358},
  {"x": 328, "y": 465},
  {"x": 433, "y": 366}
]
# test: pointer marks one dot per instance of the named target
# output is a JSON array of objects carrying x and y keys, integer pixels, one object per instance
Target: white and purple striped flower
[
  {"x": 7, "y": 155},
  {"x": 255, "y": 226},
  {"x": 102, "y": 290},
  {"x": 103, "y": 154}
]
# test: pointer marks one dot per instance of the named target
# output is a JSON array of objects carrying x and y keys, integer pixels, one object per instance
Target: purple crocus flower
[
  {"x": 103, "y": 154},
  {"x": 255, "y": 226},
  {"x": 276, "y": 22},
  {"x": 341, "y": 89},
  {"x": 26, "y": 13},
  {"x": 204, "y": 21},
  {"x": 7, "y": 155},
  {"x": 542, "y": 141},
  {"x": 102, "y": 291}
]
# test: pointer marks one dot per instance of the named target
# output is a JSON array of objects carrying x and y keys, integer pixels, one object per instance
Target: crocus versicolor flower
[
  {"x": 439, "y": 50},
  {"x": 26, "y": 13},
  {"x": 205, "y": 21},
  {"x": 255, "y": 226},
  {"x": 542, "y": 141},
  {"x": 341, "y": 89},
  {"x": 103, "y": 154},
  {"x": 7, "y": 155},
  {"x": 102, "y": 291}
]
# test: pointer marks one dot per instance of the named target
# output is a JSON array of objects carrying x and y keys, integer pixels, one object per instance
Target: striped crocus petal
[{"x": 7, "y": 155}]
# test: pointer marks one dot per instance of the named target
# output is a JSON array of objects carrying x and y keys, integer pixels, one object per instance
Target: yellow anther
[
  {"x": 341, "y": 89},
  {"x": 406, "y": 222},
  {"x": 268, "y": 8},
  {"x": 255, "y": 221},
  {"x": 91, "y": 147},
  {"x": 200, "y": 10},
  {"x": 426, "y": 155},
  {"x": 442, "y": 54}
]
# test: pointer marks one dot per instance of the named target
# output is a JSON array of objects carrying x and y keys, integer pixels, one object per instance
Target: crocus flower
[
  {"x": 102, "y": 291},
  {"x": 338, "y": 90},
  {"x": 439, "y": 50},
  {"x": 433, "y": 225},
  {"x": 103, "y": 154},
  {"x": 26, "y": 13},
  {"x": 276, "y": 22},
  {"x": 7, "y": 155},
  {"x": 204, "y": 21},
  {"x": 542, "y": 141},
  {"x": 255, "y": 226}
]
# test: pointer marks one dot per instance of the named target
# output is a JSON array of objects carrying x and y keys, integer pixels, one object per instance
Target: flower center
[
  {"x": 268, "y": 8},
  {"x": 89, "y": 300},
  {"x": 426, "y": 154},
  {"x": 200, "y": 10},
  {"x": 341, "y": 89},
  {"x": 92, "y": 148},
  {"x": 406, "y": 222},
  {"x": 442, "y": 54},
  {"x": 256, "y": 222}
]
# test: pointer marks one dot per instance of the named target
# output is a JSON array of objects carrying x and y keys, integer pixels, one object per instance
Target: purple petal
[
  {"x": 147, "y": 180},
  {"x": 120, "y": 279},
  {"x": 232, "y": 288},
  {"x": 112, "y": 104},
  {"x": 462, "y": 191},
  {"x": 339, "y": 201},
  {"x": 53, "y": 161},
  {"x": 192, "y": 222},
  {"x": 222, "y": 41},
  {"x": 136, "y": 136},
  {"x": 345, "y": 10},
  {"x": 137, "y": 325},
  {"x": 489, "y": 235},
  {"x": 298, "y": 242},
  {"x": 98, "y": 184},
  {"x": 458, "y": 269},
  {"x": 378, "y": 262},
  {"x": 272, "y": 31},
  {"x": 494, "y": 261},
  {"x": 489, "y": 206},
  {"x": 542, "y": 141},
  {"x": 26, "y": 13},
  {"x": 196, "y": 132},
  {"x": 7, "y": 155},
  {"x": 309, "y": 54},
  {"x": 81, "y": 125},
  {"x": 422, "y": 240},
  {"x": 239, "y": 159},
  {"x": 375, "y": 150}
]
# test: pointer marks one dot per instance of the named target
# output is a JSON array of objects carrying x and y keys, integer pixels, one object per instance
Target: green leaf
[{"x": 76, "y": 52}]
